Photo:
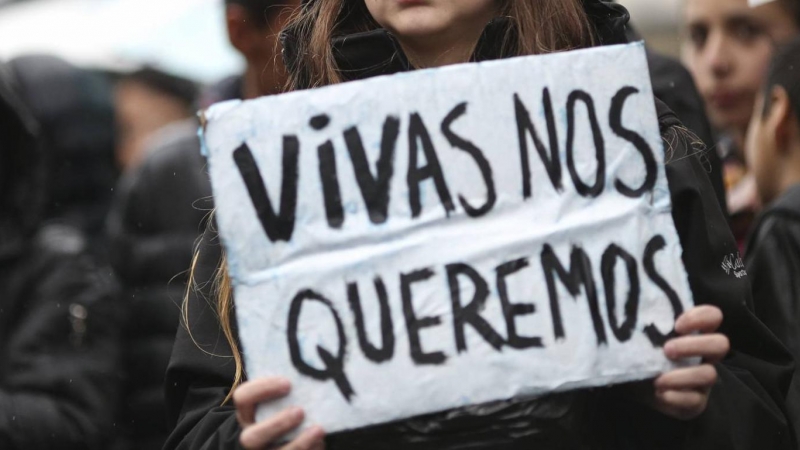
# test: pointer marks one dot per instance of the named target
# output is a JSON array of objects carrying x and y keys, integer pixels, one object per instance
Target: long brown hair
[{"x": 535, "y": 27}]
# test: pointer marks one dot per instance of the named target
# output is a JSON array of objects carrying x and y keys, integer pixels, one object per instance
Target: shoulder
[
  {"x": 59, "y": 240},
  {"x": 59, "y": 254},
  {"x": 55, "y": 249},
  {"x": 671, "y": 79},
  {"x": 173, "y": 175},
  {"x": 60, "y": 279},
  {"x": 178, "y": 152},
  {"x": 667, "y": 119},
  {"x": 686, "y": 156},
  {"x": 775, "y": 235}
]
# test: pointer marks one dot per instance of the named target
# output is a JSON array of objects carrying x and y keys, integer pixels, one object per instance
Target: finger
[
  {"x": 319, "y": 445},
  {"x": 683, "y": 405},
  {"x": 703, "y": 319},
  {"x": 311, "y": 439},
  {"x": 700, "y": 377},
  {"x": 711, "y": 347},
  {"x": 250, "y": 394},
  {"x": 264, "y": 433}
]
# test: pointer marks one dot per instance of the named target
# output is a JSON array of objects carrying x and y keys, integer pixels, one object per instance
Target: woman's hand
[
  {"x": 683, "y": 393},
  {"x": 264, "y": 434}
]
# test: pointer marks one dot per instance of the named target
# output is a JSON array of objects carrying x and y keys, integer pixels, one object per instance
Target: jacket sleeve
[
  {"x": 746, "y": 409},
  {"x": 776, "y": 293},
  {"x": 201, "y": 370},
  {"x": 61, "y": 380}
]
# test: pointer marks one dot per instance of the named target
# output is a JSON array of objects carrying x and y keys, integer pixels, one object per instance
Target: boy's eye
[
  {"x": 747, "y": 32},
  {"x": 698, "y": 36}
]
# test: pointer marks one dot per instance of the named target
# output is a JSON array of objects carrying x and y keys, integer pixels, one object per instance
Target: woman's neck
[
  {"x": 453, "y": 46},
  {"x": 427, "y": 56}
]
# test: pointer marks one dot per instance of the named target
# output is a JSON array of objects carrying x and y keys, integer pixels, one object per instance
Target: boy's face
[
  {"x": 728, "y": 48},
  {"x": 140, "y": 111},
  {"x": 762, "y": 152}
]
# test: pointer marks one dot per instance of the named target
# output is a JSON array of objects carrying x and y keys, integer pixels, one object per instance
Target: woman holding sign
[{"x": 333, "y": 41}]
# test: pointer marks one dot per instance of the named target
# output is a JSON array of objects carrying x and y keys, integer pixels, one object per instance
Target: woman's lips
[{"x": 726, "y": 99}]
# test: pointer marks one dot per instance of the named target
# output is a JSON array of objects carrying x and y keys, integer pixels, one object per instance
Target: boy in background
[
  {"x": 773, "y": 251},
  {"x": 728, "y": 47},
  {"x": 150, "y": 104}
]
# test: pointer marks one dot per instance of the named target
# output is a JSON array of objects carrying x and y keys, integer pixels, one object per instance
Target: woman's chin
[{"x": 417, "y": 26}]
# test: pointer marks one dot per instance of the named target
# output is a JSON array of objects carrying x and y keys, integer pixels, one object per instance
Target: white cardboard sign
[{"x": 419, "y": 242}]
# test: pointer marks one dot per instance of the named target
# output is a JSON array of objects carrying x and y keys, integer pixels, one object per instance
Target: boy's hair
[
  {"x": 174, "y": 86},
  {"x": 784, "y": 71},
  {"x": 793, "y": 6},
  {"x": 258, "y": 10}
]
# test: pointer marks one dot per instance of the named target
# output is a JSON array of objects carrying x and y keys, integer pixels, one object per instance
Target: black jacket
[
  {"x": 673, "y": 85},
  {"x": 58, "y": 343},
  {"x": 156, "y": 218},
  {"x": 772, "y": 261},
  {"x": 746, "y": 410}
]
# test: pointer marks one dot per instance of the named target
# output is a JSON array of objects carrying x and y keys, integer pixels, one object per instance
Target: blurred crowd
[{"x": 104, "y": 193}]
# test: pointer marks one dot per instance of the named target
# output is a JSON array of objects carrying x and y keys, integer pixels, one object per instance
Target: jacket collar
[
  {"x": 788, "y": 203},
  {"x": 377, "y": 52}
]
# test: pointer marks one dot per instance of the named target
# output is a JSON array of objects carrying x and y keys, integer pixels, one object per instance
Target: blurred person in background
[
  {"x": 147, "y": 101},
  {"x": 727, "y": 49},
  {"x": 158, "y": 214},
  {"x": 58, "y": 315},
  {"x": 74, "y": 109},
  {"x": 773, "y": 250},
  {"x": 152, "y": 227},
  {"x": 253, "y": 29}
]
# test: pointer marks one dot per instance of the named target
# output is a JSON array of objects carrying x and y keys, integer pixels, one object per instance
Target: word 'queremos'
[{"x": 576, "y": 276}]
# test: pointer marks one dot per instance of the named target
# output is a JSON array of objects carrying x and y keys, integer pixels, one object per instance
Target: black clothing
[
  {"x": 156, "y": 218},
  {"x": 231, "y": 88},
  {"x": 158, "y": 214},
  {"x": 673, "y": 85},
  {"x": 746, "y": 410},
  {"x": 75, "y": 111},
  {"x": 58, "y": 343},
  {"x": 772, "y": 261}
]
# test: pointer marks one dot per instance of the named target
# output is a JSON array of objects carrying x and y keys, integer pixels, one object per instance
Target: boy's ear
[{"x": 780, "y": 118}]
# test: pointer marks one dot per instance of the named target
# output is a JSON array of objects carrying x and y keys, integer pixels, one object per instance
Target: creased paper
[{"x": 439, "y": 238}]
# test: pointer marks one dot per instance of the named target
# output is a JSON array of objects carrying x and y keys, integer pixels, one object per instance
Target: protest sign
[{"x": 415, "y": 243}]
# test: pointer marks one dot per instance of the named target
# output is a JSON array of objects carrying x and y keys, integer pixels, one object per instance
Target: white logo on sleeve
[{"x": 733, "y": 263}]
